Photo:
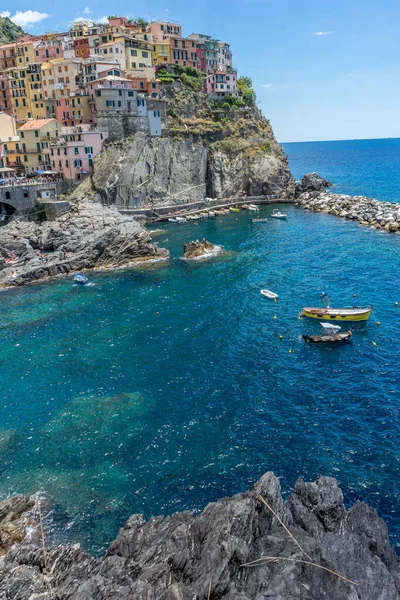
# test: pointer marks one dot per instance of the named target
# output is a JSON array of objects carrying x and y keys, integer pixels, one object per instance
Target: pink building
[
  {"x": 47, "y": 49},
  {"x": 220, "y": 85},
  {"x": 162, "y": 30},
  {"x": 72, "y": 153}
]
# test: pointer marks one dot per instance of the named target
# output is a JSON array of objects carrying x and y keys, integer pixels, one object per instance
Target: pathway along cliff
[{"x": 252, "y": 545}]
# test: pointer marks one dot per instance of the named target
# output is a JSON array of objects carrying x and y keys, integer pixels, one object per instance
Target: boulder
[
  {"x": 197, "y": 248},
  {"x": 311, "y": 183}
]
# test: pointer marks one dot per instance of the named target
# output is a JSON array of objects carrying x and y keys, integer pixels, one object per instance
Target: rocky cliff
[
  {"x": 210, "y": 149},
  {"x": 9, "y": 31},
  {"x": 90, "y": 235},
  {"x": 237, "y": 548}
]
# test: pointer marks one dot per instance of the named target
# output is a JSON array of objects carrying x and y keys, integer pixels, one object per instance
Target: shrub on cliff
[{"x": 246, "y": 92}]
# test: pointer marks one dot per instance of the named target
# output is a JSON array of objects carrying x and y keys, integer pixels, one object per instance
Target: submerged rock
[
  {"x": 197, "y": 248},
  {"x": 235, "y": 549},
  {"x": 92, "y": 235}
]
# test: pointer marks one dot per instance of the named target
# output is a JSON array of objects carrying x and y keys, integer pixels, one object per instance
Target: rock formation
[
  {"x": 235, "y": 549},
  {"x": 196, "y": 249},
  {"x": 91, "y": 235},
  {"x": 311, "y": 183},
  {"x": 13, "y": 522},
  {"x": 367, "y": 211}
]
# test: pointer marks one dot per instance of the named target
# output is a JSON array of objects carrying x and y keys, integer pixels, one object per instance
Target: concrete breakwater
[{"x": 367, "y": 211}]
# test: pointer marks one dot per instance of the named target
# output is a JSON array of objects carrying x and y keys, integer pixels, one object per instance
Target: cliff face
[
  {"x": 215, "y": 152},
  {"x": 235, "y": 549}
]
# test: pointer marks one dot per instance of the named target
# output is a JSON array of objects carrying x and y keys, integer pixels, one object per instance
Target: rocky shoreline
[
  {"x": 89, "y": 236},
  {"x": 251, "y": 546},
  {"x": 366, "y": 211}
]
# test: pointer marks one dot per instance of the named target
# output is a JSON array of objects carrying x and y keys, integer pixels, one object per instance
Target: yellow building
[
  {"x": 60, "y": 77},
  {"x": 25, "y": 54},
  {"x": 161, "y": 52},
  {"x": 10, "y": 150},
  {"x": 80, "y": 29},
  {"x": 35, "y": 136},
  {"x": 139, "y": 59},
  {"x": 25, "y": 91}
]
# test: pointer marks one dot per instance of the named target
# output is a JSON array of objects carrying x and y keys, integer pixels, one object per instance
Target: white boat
[
  {"x": 181, "y": 219},
  {"x": 269, "y": 294},
  {"x": 276, "y": 214},
  {"x": 260, "y": 220},
  {"x": 253, "y": 207},
  {"x": 171, "y": 220}
]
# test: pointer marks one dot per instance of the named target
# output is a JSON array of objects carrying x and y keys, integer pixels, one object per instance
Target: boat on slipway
[
  {"x": 327, "y": 313},
  {"x": 331, "y": 335}
]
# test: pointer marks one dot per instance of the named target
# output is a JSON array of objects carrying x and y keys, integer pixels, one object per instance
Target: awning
[
  {"x": 6, "y": 169},
  {"x": 49, "y": 172},
  {"x": 39, "y": 172}
]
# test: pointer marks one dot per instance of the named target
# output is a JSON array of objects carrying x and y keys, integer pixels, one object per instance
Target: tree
[{"x": 246, "y": 92}]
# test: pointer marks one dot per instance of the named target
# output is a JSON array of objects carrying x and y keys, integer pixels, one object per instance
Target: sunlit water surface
[{"x": 115, "y": 409}]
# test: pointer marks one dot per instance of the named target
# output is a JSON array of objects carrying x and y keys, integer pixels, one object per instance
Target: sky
[{"x": 322, "y": 69}]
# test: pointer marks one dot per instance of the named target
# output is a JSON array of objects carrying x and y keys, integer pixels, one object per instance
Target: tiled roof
[{"x": 35, "y": 124}]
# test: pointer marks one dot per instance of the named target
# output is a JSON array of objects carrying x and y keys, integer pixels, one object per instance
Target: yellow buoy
[
  {"x": 299, "y": 317},
  {"x": 396, "y": 303},
  {"x": 281, "y": 337},
  {"x": 378, "y": 322},
  {"x": 274, "y": 316},
  {"x": 290, "y": 351},
  {"x": 274, "y": 299},
  {"x": 374, "y": 343}
]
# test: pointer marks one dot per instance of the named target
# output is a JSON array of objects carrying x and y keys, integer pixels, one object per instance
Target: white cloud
[
  {"x": 28, "y": 18},
  {"x": 322, "y": 33},
  {"x": 6, "y": 13},
  {"x": 87, "y": 11},
  {"x": 267, "y": 85},
  {"x": 102, "y": 20}
]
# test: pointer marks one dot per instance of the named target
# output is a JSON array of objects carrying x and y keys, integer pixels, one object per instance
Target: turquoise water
[
  {"x": 119, "y": 410},
  {"x": 367, "y": 167}
]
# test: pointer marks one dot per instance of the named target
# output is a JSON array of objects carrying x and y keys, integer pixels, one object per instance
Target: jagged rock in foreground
[
  {"x": 197, "y": 248},
  {"x": 311, "y": 183},
  {"x": 13, "y": 522},
  {"x": 91, "y": 235},
  {"x": 367, "y": 211},
  {"x": 182, "y": 557}
]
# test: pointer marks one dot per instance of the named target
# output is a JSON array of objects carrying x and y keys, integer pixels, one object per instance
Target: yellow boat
[
  {"x": 232, "y": 209},
  {"x": 338, "y": 314}
]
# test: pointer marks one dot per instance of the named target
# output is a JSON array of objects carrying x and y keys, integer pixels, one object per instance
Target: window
[
  {"x": 77, "y": 163},
  {"x": 119, "y": 92},
  {"x": 76, "y": 150},
  {"x": 130, "y": 94},
  {"x": 133, "y": 52},
  {"x": 26, "y": 194},
  {"x": 25, "y": 159},
  {"x": 119, "y": 103},
  {"x": 89, "y": 150},
  {"x": 142, "y": 65},
  {"x": 21, "y": 133},
  {"x": 145, "y": 54},
  {"x": 110, "y": 103},
  {"x": 154, "y": 85}
]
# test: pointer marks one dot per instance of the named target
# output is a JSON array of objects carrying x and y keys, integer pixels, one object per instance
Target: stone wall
[{"x": 20, "y": 199}]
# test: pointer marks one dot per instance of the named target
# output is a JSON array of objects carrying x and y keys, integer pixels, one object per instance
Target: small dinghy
[
  {"x": 253, "y": 207},
  {"x": 269, "y": 294},
  {"x": 245, "y": 207},
  {"x": 172, "y": 220},
  {"x": 259, "y": 220},
  {"x": 331, "y": 335},
  {"x": 233, "y": 209},
  {"x": 81, "y": 279},
  {"x": 276, "y": 214}
]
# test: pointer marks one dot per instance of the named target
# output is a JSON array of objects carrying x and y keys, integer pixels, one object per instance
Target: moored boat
[
  {"x": 233, "y": 209},
  {"x": 81, "y": 279},
  {"x": 245, "y": 207},
  {"x": 269, "y": 294},
  {"x": 253, "y": 207},
  {"x": 259, "y": 220},
  {"x": 276, "y": 214},
  {"x": 327, "y": 313},
  {"x": 331, "y": 335},
  {"x": 172, "y": 220}
]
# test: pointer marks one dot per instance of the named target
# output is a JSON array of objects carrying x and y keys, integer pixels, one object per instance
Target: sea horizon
[{"x": 340, "y": 140}]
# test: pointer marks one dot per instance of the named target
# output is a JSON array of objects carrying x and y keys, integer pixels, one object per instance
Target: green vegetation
[
  {"x": 9, "y": 31},
  {"x": 246, "y": 93}
]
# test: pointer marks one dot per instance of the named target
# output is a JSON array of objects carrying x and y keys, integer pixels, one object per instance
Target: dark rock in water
[
  {"x": 225, "y": 553},
  {"x": 197, "y": 248},
  {"x": 12, "y": 522},
  {"x": 311, "y": 183},
  {"x": 91, "y": 235}
]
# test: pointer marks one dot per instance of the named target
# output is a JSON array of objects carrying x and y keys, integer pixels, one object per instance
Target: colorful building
[
  {"x": 35, "y": 136},
  {"x": 162, "y": 30},
  {"x": 10, "y": 150},
  {"x": 161, "y": 52},
  {"x": 183, "y": 52},
  {"x": 73, "y": 151},
  {"x": 221, "y": 84}
]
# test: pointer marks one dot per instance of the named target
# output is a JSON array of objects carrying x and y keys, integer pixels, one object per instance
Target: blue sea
[
  {"x": 356, "y": 167},
  {"x": 166, "y": 387}
]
